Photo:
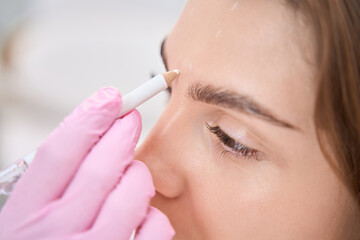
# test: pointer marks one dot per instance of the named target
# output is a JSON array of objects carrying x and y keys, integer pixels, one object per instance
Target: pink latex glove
[{"x": 84, "y": 183}]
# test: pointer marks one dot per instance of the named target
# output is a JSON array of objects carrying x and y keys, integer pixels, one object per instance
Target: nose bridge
[
  {"x": 165, "y": 136},
  {"x": 168, "y": 122},
  {"x": 162, "y": 152}
]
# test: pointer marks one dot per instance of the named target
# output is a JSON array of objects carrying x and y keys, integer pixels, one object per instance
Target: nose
[{"x": 162, "y": 153}]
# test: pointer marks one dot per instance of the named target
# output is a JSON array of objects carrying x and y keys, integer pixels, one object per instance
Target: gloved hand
[{"x": 84, "y": 183}]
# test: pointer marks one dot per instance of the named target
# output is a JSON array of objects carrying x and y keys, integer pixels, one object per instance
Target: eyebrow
[
  {"x": 162, "y": 54},
  {"x": 229, "y": 99}
]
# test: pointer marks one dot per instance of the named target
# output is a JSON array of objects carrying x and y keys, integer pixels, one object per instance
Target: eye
[{"x": 236, "y": 148}]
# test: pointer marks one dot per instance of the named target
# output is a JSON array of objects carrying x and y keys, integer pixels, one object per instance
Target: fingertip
[
  {"x": 112, "y": 93},
  {"x": 156, "y": 225},
  {"x": 109, "y": 95},
  {"x": 162, "y": 220},
  {"x": 138, "y": 120},
  {"x": 133, "y": 120},
  {"x": 95, "y": 114},
  {"x": 134, "y": 115},
  {"x": 107, "y": 98},
  {"x": 143, "y": 172},
  {"x": 137, "y": 115}
]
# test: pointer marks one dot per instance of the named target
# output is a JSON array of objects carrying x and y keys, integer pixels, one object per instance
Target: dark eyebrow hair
[
  {"x": 228, "y": 99},
  {"x": 162, "y": 54}
]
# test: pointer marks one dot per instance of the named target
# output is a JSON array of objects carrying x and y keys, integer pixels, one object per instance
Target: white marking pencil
[{"x": 147, "y": 90}]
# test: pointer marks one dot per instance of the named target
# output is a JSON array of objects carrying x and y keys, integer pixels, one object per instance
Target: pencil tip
[{"x": 171, "y": 76}]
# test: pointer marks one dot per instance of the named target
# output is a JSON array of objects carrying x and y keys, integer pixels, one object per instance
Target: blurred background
[{"x": 55, "y": 53}]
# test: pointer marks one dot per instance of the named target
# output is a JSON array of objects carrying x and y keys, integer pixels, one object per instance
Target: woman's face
[{"x": 235, "y": 154}]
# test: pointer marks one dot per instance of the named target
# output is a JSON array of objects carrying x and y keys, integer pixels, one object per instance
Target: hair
[{"x": 336, "y": 24}]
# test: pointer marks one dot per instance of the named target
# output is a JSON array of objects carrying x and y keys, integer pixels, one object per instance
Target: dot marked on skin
[
  {"x": 218, "y": 34},
  {"x": 190, "y": 66},
  {"x": 234, "y": 6},
  {"x": 192, "y": 11}
]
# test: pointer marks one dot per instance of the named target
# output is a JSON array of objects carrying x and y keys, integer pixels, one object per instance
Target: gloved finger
[
  {"x": 99, "y": 173},
  {"x": 156, "y": 226},
  {"x": 59, "y": 157},
  {"x": 126, "y": 206}
]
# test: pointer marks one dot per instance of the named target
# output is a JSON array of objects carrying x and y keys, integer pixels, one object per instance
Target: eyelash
[{"x": 239, "y": 149}]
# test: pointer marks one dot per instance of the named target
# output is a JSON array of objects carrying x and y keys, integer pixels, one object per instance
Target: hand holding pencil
[{"x": 83, "y": 182}]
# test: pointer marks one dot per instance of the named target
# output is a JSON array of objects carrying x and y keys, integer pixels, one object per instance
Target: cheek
[
  {"x": 232, "y": 197},
  {"x": 252, "y": 198},
  {"x": 313, "y": 197}
]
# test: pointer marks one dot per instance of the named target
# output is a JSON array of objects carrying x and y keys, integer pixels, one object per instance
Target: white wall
[{"x": 64, "y": 50}]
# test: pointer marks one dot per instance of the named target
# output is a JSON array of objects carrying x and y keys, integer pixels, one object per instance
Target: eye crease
[{"x": 239, "y": 149}]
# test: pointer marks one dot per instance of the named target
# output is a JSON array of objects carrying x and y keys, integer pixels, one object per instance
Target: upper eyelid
[
  {"x": 218, "y": 129},
  {"x": 211, "y": 128},
  {"x": 257, "y": 154},
  {"x": 254, "y": 137}
]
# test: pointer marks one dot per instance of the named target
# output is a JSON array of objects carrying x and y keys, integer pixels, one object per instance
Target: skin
[{"x": 264, "y": 50}]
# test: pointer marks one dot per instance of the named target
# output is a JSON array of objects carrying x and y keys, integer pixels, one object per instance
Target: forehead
[{"x": 256, "y": 47}]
